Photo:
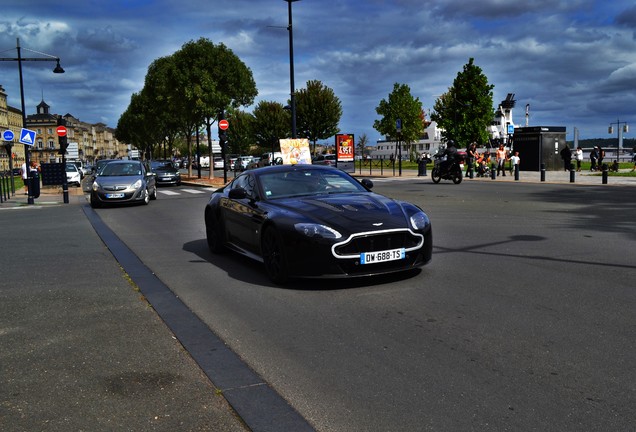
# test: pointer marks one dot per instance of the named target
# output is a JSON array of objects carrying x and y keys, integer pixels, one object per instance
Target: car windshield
[
  {"x": 121, "y": 169},
  {"x": 285, "y": 184},
  {"x": 161, "y": 164}
]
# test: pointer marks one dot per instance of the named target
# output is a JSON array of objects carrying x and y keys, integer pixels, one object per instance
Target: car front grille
[{"x": 378, "y": 241}]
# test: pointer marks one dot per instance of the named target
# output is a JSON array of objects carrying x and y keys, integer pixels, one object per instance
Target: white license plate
[
  {"x": 115, "y": 195},
  {"x": 382, "y": 256}
]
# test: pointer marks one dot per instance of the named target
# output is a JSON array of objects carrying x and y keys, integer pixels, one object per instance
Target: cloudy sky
[{"x": 572, "y": 61}]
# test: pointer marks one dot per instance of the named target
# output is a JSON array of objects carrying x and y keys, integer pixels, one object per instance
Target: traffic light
[
  {"x": 222, "y": 132},
  {"x": 63, "y": 140}
]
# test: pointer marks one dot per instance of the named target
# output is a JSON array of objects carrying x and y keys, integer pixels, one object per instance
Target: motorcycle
[{"x": 453, "y": 170}]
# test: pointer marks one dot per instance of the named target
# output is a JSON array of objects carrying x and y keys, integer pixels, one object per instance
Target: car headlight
[
  {"x": 317, "y": 230},
  {"x": 137, "y": 184},
  {"x": 419, "y": 221},
  {"x": 95, "y": 186}
]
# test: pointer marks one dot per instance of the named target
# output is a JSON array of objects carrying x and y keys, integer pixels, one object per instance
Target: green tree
[
  {"x": 318, "y": 112},
  {"x": 400, "y": 105},
  {"x": 190, "y": 88},
  {"x": 363, "y": 141},
  {"x": 241, "y": 131},
  {"x": 465, "y": 111},
  {"x": 271, "y": 123}
]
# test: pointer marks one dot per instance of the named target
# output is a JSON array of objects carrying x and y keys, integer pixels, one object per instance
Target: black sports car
[{"x": 316, "y": 221}]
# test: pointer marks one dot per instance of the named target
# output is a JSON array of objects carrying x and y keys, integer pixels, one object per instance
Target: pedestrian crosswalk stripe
[
  {"x": 168, "y": 192},
  {"x": 194, "y": 191}
]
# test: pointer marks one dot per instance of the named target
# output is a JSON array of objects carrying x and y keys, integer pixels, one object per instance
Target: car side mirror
[
  {"x": 367, "y": 183},
  {"x": 237, "y": 193}
]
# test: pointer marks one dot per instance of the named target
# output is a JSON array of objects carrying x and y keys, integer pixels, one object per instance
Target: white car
[
  {"x": 73, "y": 176},
  {"x": 218, "y": 163}
]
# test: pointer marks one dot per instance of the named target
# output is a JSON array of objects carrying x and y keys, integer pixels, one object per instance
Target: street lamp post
[
  {"x": 58, "y": 69},
  {"x": 291, "y": 68},
  {"x": 620, "y": 130}
]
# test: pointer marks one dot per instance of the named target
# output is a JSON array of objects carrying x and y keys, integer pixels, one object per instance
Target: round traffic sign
[
  {"x": 223, "y": 124},
  {"x": 61, "y": 131},
  {"x": 8, "y": 135}
]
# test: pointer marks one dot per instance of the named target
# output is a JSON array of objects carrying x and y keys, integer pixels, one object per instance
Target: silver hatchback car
[{"x": 123, "y": 182}]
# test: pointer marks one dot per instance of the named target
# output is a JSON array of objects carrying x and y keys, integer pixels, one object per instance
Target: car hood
[
  {"x": 117, "y": 180},
  {"x": 347, "y": 212}
]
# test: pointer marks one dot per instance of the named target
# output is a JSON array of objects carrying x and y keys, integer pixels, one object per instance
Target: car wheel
[
  {"x": 214, "y": 233},
  {"x": 435, "y": 175},
  {"x": 274, "y": 256},
  {"x": 153, "y": 196},
  {"x": 146, "y": 197}
]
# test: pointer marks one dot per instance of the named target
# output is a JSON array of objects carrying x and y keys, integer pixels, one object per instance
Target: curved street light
[{"x": 57, "y": 69}]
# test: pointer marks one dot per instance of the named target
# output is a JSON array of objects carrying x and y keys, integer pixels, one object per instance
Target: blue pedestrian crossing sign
[
  {"x": 7, "y": 135},
  {"x": 27, "y": 137}
]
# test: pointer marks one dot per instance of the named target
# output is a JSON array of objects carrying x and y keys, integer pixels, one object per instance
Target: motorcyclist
[{"x": 450, "y": 152}]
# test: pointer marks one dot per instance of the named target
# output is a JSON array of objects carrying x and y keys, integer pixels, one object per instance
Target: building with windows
[
  {"x": 429, "y": 143},
  {"x": 94, "y": 141}
]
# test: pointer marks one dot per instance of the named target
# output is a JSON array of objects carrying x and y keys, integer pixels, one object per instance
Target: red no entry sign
[
  {"x": 61, "y": 131},
  {"x": 223, "y": 124}
]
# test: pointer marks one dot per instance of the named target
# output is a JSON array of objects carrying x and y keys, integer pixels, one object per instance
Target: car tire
[
  {"x": 146, "y": 197},
  {"x": 274, "y": 256},
  {"x": 214, "y": 233},
  {"x": 153, "y": 195}
]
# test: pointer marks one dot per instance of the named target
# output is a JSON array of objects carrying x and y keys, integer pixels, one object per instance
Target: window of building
[
  {"x": 40, "y": 145},
  {"x": 51, "y": 144}
]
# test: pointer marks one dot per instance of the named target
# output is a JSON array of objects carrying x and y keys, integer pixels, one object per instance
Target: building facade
[
  {"x": 94, "y": 141},
  {"x": 10, "y": 119}
]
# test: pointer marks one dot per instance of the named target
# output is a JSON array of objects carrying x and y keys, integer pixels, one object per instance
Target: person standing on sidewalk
[
  {"x": 566, "y": 155},
  {"x": 472, "y": 157},
  {"x": 25, "y": 177},
  {"x": 502, "y": 156},
  {"x": 578, "y": 155},
  {"x": 514, "y": 159}
]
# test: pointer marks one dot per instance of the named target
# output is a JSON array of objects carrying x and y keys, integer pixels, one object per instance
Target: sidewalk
[{"x": 80, "y": 347}]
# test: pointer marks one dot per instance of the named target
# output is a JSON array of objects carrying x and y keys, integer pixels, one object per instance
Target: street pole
[
  {"x": 58, "y": 69},
  {"x": 27, "y": 162},
  {"x": 291, "y": 69}
]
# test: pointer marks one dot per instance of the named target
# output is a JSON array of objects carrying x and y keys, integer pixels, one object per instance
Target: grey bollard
[
  {"x": 493, "y": 171},
  {"x": 571, "y": 173},
  {"x": 517, "y": 172},
  {"x": 542, "y": 172},
  {"x": 605, "y": 169}
]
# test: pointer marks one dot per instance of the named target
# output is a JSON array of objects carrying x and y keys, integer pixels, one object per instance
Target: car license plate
[
  {"x": 115, "y": 195},
  {"x": 382, "y": 256}
]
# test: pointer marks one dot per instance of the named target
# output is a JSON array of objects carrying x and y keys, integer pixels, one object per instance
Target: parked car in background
[
  {"x": 325, "y": 159},
  {"x": 244, "y": 161},
  {"x": 123, "y": 182},
  {"x": 267, "y": 159},
  {"x": 166, "y": 173},
  {"x": 73, "y": 175},
  {"x": 218, "y": 163}
]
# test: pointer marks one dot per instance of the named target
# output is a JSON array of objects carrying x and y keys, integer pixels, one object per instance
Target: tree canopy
[
  {"x": 403, "y": 106},
  {"x": 465, "y": 111},
  {"x": 318, "y": 112}
]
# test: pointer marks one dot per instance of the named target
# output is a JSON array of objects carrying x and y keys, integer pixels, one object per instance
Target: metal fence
[{"x": 7, "y": 186}]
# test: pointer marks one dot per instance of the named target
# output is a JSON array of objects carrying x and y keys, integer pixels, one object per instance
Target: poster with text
[
  {"x": 295, "y": 151},
  {"x": 345, "y": 147}
]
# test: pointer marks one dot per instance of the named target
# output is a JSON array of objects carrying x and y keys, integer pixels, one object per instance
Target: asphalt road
[{"x": 523, "y": 321}]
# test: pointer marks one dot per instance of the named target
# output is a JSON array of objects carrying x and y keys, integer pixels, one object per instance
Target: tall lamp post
[
  {"x": 291, "y": 68},
  {"x": 20, "y": 59},
  {"x": 620, "y": 130}
]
